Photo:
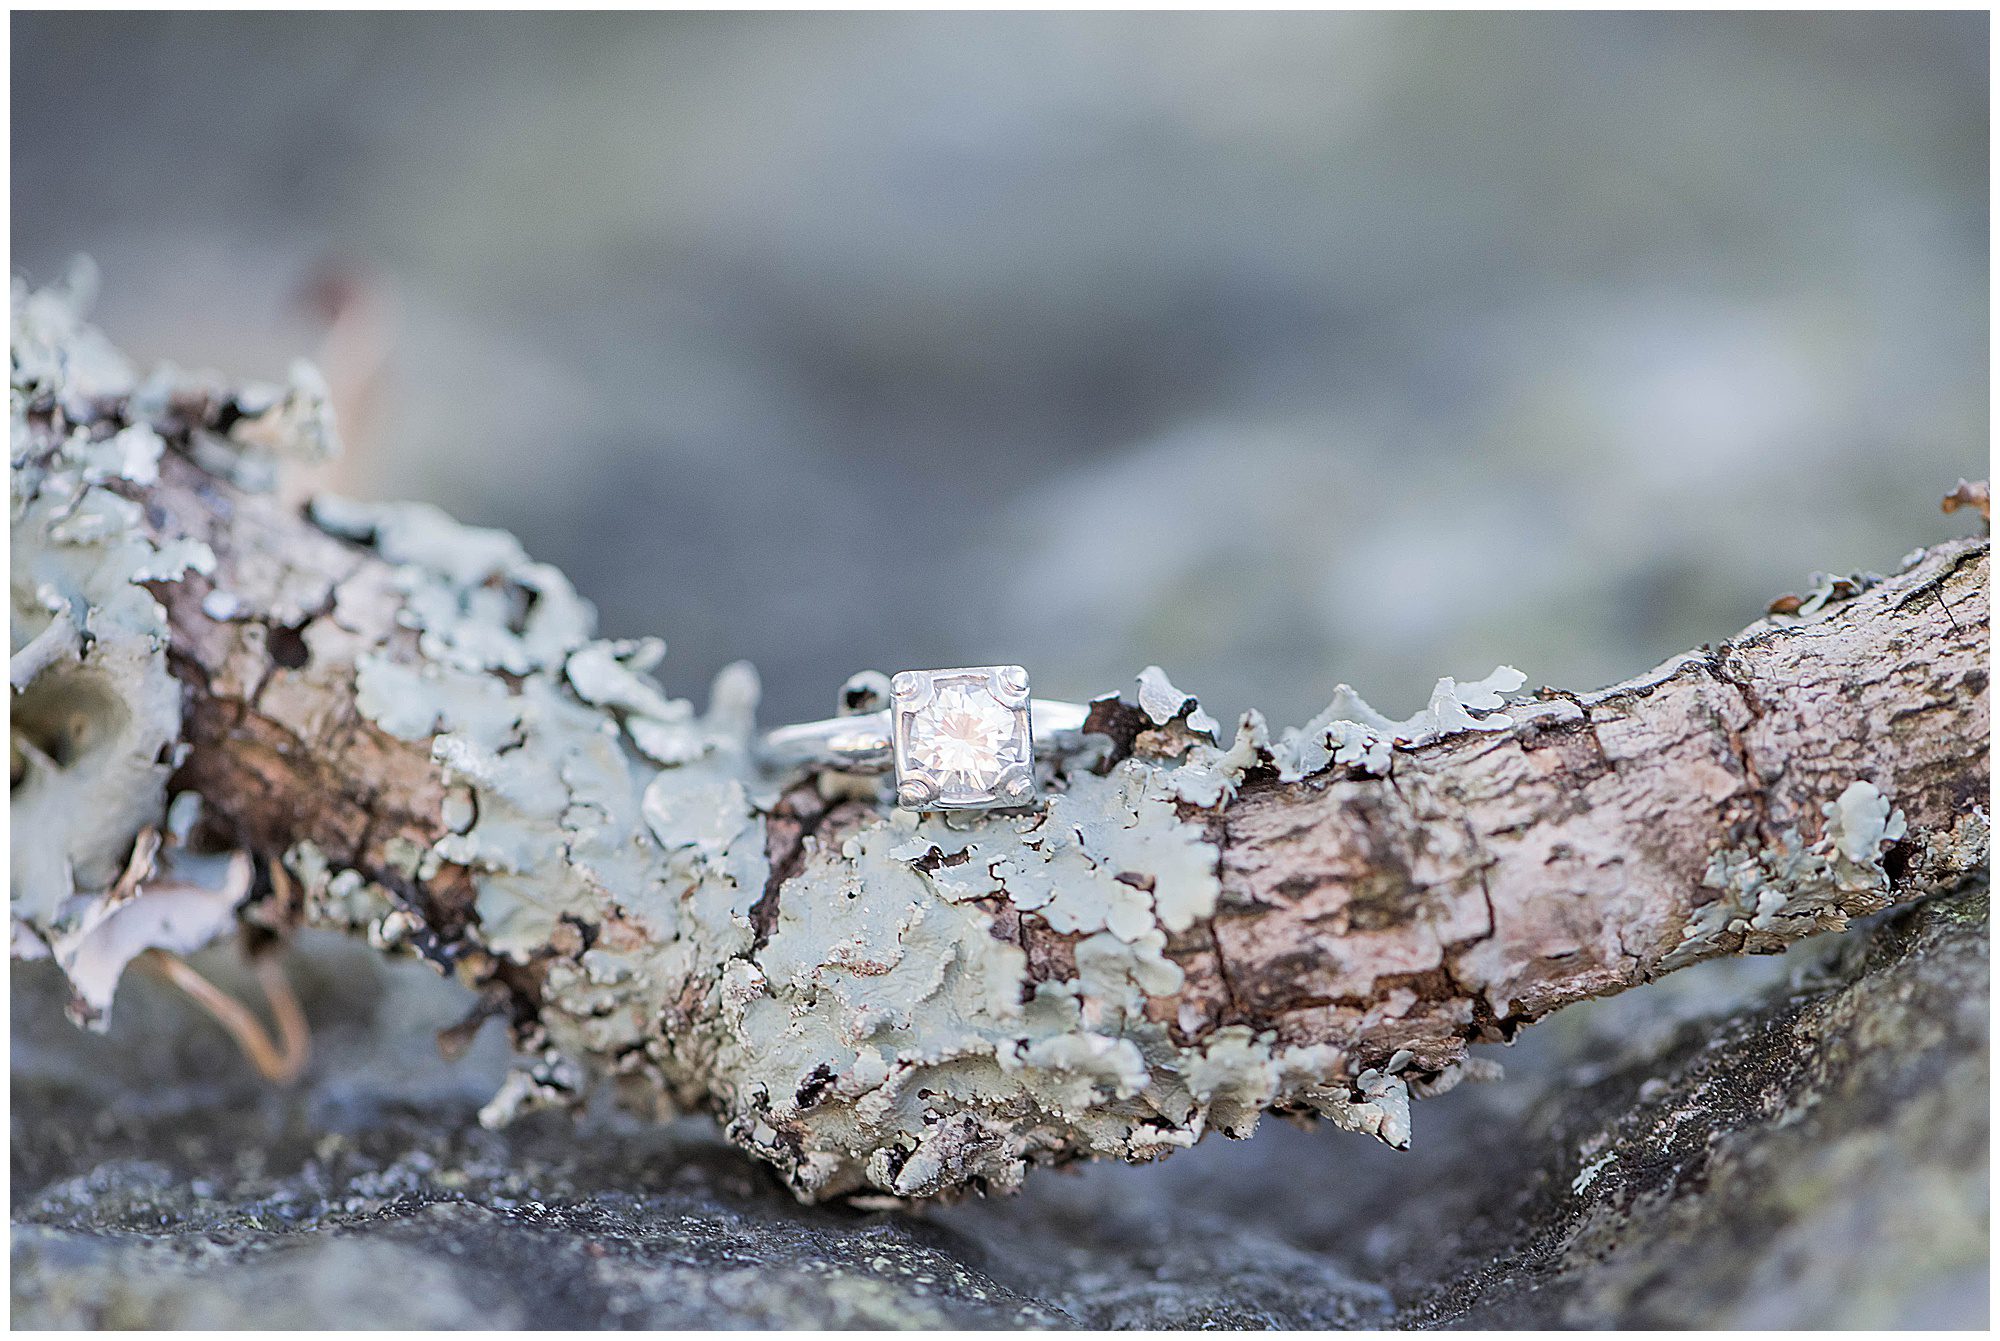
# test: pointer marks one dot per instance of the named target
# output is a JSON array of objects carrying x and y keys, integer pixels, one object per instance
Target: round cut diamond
[{"x": 962, "y": 737}]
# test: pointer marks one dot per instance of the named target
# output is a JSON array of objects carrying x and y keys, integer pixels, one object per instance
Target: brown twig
[
  {"x": 1971, "y": 494},
  {"x": 281, "y": 1062}
]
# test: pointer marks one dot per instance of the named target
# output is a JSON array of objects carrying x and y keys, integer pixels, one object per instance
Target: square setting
[{"x": 962, "y": 738}]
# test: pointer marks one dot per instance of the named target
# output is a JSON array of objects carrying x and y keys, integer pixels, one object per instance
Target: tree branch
[{"x": 418, "y": 720}]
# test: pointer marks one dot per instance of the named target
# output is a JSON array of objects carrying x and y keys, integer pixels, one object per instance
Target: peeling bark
[
  {"x": 282, "y": 752},
  {"x": 1491, "y": 879}
]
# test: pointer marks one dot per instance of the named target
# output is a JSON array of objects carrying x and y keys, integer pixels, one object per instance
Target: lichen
[
  {"x": 890, "y": 1036},
  {"x": 1350, "y": 732},
  {"x": 1769, "y": 895},
  {"x": 872, "y": 1024},
  {"x": 96, "y": 711},
  {"x": 883, "y": 1032},
  {"x": 888, "y": 1029},
  {"x": 1824, "y": 591},
  {"x": 610, "y": 830},
  {"x": 343, "y": 899},
  {"x": 1346, "y": 733},
  {"x": 268, "y": 426},
  {"x": 172, "y": 899}
]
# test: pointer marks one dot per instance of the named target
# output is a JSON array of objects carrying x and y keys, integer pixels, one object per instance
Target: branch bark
[
  {"x": 1493, "y": 878},
  {"x": 417, "y": 721}
]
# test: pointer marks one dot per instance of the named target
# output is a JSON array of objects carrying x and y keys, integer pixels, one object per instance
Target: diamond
[
  {"x": 961, "y": 735},
  {"x": 962, "y": 738}
]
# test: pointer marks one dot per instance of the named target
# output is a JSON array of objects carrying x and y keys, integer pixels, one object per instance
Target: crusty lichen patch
[
  {"x": 609, "y": 828},
  {"x": 891, "y": 1036},
  {"x": 1768, "y": 895},
  {"x": 95, "y": 711}
]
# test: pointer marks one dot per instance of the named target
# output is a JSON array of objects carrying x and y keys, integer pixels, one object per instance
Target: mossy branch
[{"x": 418, "y": 721}]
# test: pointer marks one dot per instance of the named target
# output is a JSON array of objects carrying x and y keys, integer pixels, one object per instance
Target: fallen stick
[{"x": 416, "y": 719}]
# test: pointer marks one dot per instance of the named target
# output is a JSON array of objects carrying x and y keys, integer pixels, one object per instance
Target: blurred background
[{"x": 1280, "y": 350}]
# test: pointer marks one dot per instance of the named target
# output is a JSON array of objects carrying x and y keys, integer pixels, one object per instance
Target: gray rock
[{"x": 1794, "y": 1142}]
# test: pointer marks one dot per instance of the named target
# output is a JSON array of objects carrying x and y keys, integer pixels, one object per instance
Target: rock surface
[{"x": 1787, "y": 1142}]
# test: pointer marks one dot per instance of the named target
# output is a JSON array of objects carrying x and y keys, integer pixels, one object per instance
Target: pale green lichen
[
  {"x": 558, "y": 803},
  {"x": 1770, "y": 895},
  {"x": 268, "y": 425},
  {"x": 343, "y": 899},
  {"x": 178, "y": 901},
  {"x": 95, "y": 711},
  {"x": 886, "y": 1039},
  {"x": 1164, "y": 705},
  {"x": 1824, "y": 590},
  {"x": 1347, "y": 732},
  {"x": 477, "y": 600},
  {"x": 1350, "y": 732},
  {"x": 884, "y": 1033}
]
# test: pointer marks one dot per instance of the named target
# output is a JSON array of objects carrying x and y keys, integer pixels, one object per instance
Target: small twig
[
  {"x": 1947, "y": 610},
  {"x": 1971, "y": 494},
  {"x": 140, "y": 864},
  {"x": 280, "y": 1062},
  {"x": 284, "y": 894}
]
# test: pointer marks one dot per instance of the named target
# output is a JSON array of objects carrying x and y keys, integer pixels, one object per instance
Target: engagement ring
[{"x": 962, "y": 739}]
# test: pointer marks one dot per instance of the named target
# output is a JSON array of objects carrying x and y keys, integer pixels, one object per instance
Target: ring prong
[
  {"x": 865, "y": 691},
  {"x": 1010, "y": 685}
]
